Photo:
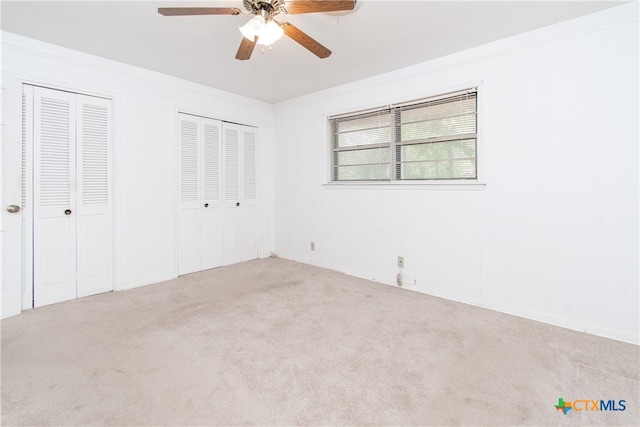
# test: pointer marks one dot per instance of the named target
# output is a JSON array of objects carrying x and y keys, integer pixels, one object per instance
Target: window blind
[
  {"x": 437, "y": 139},
  {"x": 428, "y": 139},
  {"x": 361, "y": 146}
]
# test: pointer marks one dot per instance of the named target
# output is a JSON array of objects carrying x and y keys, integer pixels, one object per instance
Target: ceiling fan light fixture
[
  {"x": 267, "y": 32},
  {"x": 253, "y": 28},
  {"x": 270, "y": 33}
]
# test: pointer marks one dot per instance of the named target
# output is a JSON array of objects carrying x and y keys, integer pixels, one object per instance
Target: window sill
[{"x": 406, "y": 185}]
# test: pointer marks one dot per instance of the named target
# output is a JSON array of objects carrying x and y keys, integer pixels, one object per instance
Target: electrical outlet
[
  {"x": 401, "y": 262},
  {"x": 313, "y": 246}
]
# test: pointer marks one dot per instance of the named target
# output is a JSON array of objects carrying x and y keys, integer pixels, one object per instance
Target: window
[{"x": 429, "y": 139}]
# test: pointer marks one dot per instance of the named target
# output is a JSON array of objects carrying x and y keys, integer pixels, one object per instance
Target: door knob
[
  {"x": 13, "y": 208},
  {"x": 237, "y": 203},
  {"x": 206, "y": 205},
  {"x": 67, "y": 212}
]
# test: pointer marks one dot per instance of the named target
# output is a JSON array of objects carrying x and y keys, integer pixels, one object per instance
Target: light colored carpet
[{"x": 277, "y": 342}]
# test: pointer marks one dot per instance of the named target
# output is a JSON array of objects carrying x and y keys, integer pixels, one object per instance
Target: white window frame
[{"x": 469, "y": 183}]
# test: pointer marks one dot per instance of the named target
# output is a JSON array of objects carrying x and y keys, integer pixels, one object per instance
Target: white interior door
[
  {"x": 212, "y": 197},
  {"x": 231, "y": 206},
  {"x": 200, "y": 242},
  {"x": 248, "y": 205},
  {"x": 54, "y": 254},
  {"x": 69, "y": 137},
  {"x": 94, "y": 237},
  {"x": 190, "y": 227},
  {"x": 240, "y": 237},
  {"x": 217, "y": 184}
]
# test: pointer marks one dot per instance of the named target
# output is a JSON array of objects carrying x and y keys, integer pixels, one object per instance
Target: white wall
[
  {"x": 145, "y": 116},
  {"x": 553, "y": 235}
]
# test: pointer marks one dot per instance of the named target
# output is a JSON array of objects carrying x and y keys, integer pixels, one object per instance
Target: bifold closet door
[
  {"x": 249, "y": 212},
  {"x": 94, "y": 237},
  {"x": 72, "y": 233},
  {"x": 240, "y": 190},
  {"x": 200, "y": 220},
  {"x": 54, "y": 195}
]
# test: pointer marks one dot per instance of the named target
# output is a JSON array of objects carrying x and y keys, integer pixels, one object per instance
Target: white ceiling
[{"x": 379, "y": 36}]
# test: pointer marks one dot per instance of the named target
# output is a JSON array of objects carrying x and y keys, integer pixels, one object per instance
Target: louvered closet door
[
  {"x": 54, "y": 172},
  {"x": 94, "y": 240},
  {"x": 212, "y": 193},
  {"x": 239, "y": 206},
  {"x": 248, "y": 211},
  {"x": 231, "y": 205},
  {"x": 199, "y": 220},
  {"x": 190, "y": 226},
  {"x": 72, "y": 231}
]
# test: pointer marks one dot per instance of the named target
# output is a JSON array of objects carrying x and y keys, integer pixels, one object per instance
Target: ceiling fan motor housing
[{"x": 256, "y": 6}]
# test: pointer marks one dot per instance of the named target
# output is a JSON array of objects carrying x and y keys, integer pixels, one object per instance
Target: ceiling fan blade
[
  {"x": 311, "y": 6},
  {"x": 246, "y": 48},
  {"x": 178, "y": 11},
  {"x": 306, "y": 41}
]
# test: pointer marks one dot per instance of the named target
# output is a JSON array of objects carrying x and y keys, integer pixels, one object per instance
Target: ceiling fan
[{"x": 262, "y": 28}]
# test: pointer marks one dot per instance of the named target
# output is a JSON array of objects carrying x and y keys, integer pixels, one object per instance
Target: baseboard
[
  {"x": 501, "y": 308},
  {"x": 137, "y": 283}
]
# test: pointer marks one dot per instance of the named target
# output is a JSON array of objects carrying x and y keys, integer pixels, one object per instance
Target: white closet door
[
  {"x": 200, "y": 240},
  {"x": 54, "y": 172},
  {"x": 190, "y": 224},
  {"x": 231, "y": 204},
  {"x": 240, "y": 194},
  {"x": 94, "y": 205},
  {"x": 217, "y": 184},
  {"x": 248, "y": 205},
  {"x": 68, "y": 137},
  {"x": 27, "y": 196},
  {"x": 212, "y": 189}
]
